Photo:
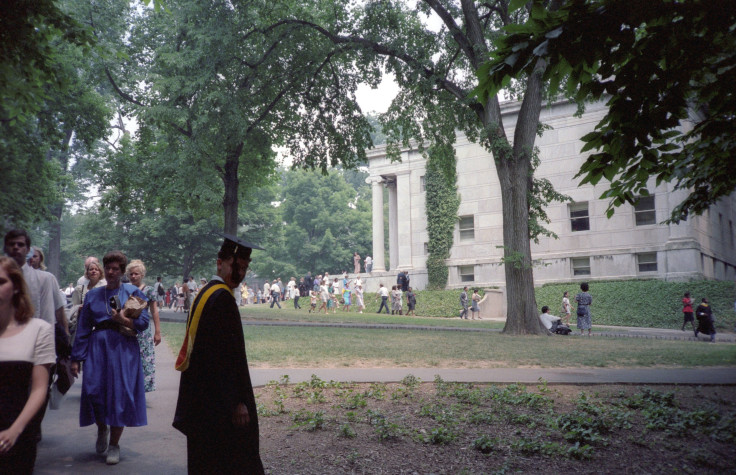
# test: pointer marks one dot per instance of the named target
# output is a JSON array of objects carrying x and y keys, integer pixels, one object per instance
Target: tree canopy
[
  {"x": 320, "y": 221},
  {"x": 667, "y": 69},
  {"x": 435, "y": 69}
]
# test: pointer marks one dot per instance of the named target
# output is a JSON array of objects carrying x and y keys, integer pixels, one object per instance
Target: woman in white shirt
[{"x": 26, "y": 354}]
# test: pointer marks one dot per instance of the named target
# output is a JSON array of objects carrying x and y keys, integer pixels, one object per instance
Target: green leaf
[{"x": 516, "y": 5}]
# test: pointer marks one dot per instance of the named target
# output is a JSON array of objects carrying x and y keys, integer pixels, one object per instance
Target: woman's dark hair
[
  {"x": 687, "y": 294},
  {"x": 115, "y": 256},
  {"x": 584, "y": 286},
  {"x": 545, "y": 309},
  {"x": 21, "y": 296}
]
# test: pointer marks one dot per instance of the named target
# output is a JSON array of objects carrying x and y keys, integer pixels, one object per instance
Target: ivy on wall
[{"x": 442, "y": 206}]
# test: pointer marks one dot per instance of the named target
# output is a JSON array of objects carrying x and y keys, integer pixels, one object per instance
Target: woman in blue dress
[
  {"x": 113, "y": 392},
  {"x": 584, "y": 300}
]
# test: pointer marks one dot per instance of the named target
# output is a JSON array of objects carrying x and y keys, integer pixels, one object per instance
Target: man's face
[
  {"x": 232, "y": 270},
  {"x": 17, "y": 249}
]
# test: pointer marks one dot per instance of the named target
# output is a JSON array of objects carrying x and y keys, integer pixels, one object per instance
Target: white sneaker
[
  {"x": 102, "y": 438},
  {"x": 113, "y": 455}
]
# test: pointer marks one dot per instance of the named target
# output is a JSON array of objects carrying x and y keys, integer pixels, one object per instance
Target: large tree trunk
[
  {"x": 232, "y": 183},
  {"x": 53, "y": 261},
  {"x": 522, "y": 315},
  {"x": 53, "y": 256},
  {"x": 514, "y": 173}
]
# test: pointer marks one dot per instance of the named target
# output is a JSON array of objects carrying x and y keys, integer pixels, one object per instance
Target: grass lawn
[
  {"x": 287, "y": 313},
  {"x": 347, "y": 347}
]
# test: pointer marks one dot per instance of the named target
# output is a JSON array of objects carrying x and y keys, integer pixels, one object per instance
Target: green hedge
[
  {"x": 430, "y": 303},
  {"x": 630, "y": 303},
  {"x": 644, "y": 303}
]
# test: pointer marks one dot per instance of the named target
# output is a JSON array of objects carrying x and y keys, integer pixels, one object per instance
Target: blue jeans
[
  {"x": 383, "y": 304},
  {"x": 275, "y": 299}
]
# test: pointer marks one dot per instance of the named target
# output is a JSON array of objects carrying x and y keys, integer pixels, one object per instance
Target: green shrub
[
  {"x": 347, "y": 431},
  {"x": 485, "y": 444},
  {"x": 631, "y": 303},
  {"x": 644, "y": 303}
]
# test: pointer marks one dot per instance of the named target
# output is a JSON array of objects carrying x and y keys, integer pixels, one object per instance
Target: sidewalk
[
  {"x": 161, "y": 450},
  {"x": 156, "y": 448}
]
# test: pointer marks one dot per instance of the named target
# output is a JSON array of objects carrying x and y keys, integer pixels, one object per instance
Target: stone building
[{"x": 632, "y": 244}]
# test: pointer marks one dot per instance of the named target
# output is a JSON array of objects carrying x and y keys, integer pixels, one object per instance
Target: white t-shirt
[
  {"x": 383, "y": 292},
  {"x": 324, "y": 293},
  {"x": 368, "y": 260},
  {"x": 547, "y": 320},
  {"x": 34, "y": 343},
  {"x": 275, "y": 288}
]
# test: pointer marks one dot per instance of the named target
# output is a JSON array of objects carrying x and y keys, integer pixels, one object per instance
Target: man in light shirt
[
  {"x": 48, "y": 302},
  {"x": 383, "y": 293}
]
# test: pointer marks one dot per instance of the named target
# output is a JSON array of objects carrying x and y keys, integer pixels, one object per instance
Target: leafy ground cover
[
  {"x": 309, "y": 347},
  {"x": 440, "y": 427}
]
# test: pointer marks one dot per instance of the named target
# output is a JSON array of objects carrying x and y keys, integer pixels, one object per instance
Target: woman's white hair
[{"x": 136, "y": 263}]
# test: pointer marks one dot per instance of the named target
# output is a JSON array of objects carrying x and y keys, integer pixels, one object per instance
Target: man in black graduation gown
[{"x": 216, "y": 408}]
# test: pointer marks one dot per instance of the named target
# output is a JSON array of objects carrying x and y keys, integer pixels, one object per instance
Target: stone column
[
  {"x": 393, "y": 224},
  {"x": 379, "y": 264},
  {"x": 403, "y": 224}
]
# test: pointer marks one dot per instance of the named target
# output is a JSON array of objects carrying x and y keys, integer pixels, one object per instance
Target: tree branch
[
  {"x": 475, "y": 33},
  {"x": 119, "y": 91},
  {"x": 465, "y": 44},
  {"x": 380, "y": 49}
]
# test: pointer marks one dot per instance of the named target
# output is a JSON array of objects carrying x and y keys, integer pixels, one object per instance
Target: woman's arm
[
  {"x": 157, "y": 322},
  {"x": 36, "y": 399}
]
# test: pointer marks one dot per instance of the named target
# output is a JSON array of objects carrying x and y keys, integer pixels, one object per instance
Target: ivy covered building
[{"x": 632, "y": 244}]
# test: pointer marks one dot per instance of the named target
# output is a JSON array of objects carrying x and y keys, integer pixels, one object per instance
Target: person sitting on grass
[{"x": 549, "y": 321}]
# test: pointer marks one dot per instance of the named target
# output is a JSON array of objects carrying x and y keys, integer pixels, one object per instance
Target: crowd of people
[
  {"x": 113, "y": 328},
  {"x": 327, "y": 293},
  {"x": 109, "y": 337}
]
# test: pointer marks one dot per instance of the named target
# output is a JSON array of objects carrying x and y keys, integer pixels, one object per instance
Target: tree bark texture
[
  {"x": 514, "y": 173},
  {"x": 53, "y": 254},
  {"x": 232, "y": 183}
]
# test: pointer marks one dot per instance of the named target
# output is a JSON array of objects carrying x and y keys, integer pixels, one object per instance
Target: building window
[
  {"x": 422, "y": 184},
  {"x": 647, "y": 262},
  {"x": 467, "y": 273},
  {"x": 644, "y": 211},
  {"x": 581, "y": 266},
  {"x": 722, "y": 228},
  {"x": 467, "y": 228},
  {"x": 579, "y": 216},
  {"x": 426, "y": 248}
]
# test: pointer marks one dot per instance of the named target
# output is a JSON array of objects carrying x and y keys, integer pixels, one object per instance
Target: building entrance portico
[{"x": 402, "y": 188}]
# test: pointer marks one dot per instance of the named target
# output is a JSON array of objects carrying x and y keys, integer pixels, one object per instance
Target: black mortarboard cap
[{"x": 234, "y": 246}]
